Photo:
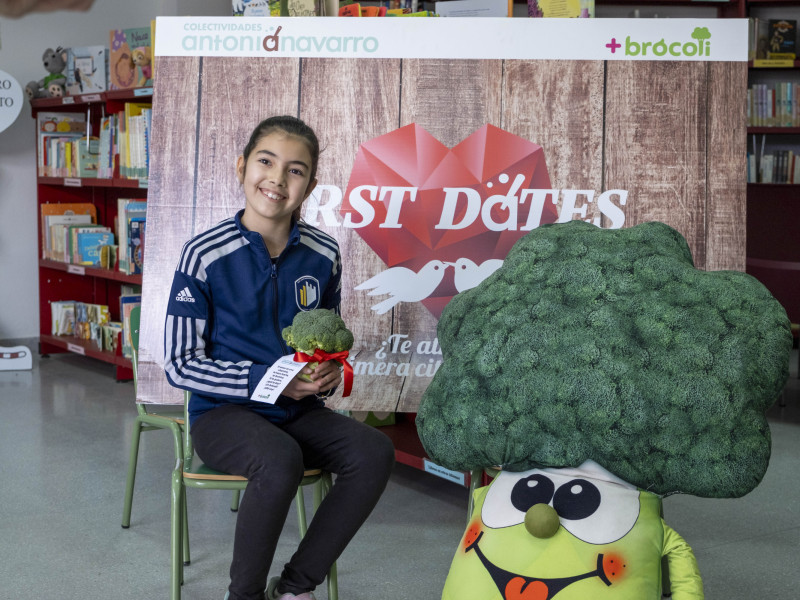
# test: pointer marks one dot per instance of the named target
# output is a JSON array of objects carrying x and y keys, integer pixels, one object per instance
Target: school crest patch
[{"x": 306, "y": 292}]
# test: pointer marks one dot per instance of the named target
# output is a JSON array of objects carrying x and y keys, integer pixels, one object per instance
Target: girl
[{"x": 236, "y": 287}]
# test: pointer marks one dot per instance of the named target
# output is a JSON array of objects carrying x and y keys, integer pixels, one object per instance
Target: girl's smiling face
[{"x": 276, "y": 178}]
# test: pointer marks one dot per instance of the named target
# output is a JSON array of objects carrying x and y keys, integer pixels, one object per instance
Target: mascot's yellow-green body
[{"x": 606, "y": 542}]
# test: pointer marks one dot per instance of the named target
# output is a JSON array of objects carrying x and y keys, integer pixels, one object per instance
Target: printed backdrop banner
[{"x": 432, "y": 168}]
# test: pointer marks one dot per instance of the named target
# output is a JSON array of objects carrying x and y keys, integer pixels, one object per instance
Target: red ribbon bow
[{"x": 340, "y": 357}]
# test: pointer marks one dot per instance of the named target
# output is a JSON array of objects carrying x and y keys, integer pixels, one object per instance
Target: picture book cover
[
  {"x": 136, "y": 245},
  {"x": 72, "y": 242},
  {"x": 87, "y": 70},
  {"x": 89, "y": 244},
  {"x": 258, "y": 8},
  {"x": 126, "y": 304},
  {"x": 130, "y": 58},
  {"x": 350, "y": 10},
  {"x": 302, "y": 8},
  {"x": 63, "y": 213},
  {"x": 127, "y": 210},
  {"x": 782, "y": 36},
  {"x": 62, "y": 313},
  {"x": 561, "y": 9},
  {"x": 111, "y": 334}
]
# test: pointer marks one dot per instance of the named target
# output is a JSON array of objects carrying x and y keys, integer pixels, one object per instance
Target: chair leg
[
  {"x": 187, "y": 559},
  {"x": 299, "y": 500},
  {"x": 176, "y": 518},
  {"x": 475, "y": 478},
  {"x": 235, "y": 500},
  {"x": 131, "y": 479},
  {"x": 333, "y": 583}
]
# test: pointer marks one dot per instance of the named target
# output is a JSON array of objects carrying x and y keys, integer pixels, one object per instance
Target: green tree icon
[{"x": 701, "y": 33}]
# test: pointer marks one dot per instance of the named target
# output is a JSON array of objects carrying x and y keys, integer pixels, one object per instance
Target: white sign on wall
[{"x": 10, "y": 100}]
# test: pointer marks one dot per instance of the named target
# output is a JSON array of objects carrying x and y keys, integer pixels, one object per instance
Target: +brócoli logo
[{"x": 699, "y": 46}]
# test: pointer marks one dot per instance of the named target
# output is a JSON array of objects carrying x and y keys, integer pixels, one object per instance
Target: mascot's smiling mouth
[{"x": 520, "y": 587}]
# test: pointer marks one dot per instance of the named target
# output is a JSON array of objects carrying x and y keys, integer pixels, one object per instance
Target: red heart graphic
[
  {"x": 517, "y": 590},
  {"x": 492, "y": 169}
]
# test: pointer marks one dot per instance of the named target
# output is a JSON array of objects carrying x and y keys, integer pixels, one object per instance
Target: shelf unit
[
  {"x": 773, "y": 247},
  {"x": 64, "y": 281}
]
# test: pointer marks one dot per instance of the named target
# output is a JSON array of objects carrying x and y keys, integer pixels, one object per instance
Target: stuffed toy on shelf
[
  {"x": 53, "y": 84},
  {"x": 600, "y": 371}
]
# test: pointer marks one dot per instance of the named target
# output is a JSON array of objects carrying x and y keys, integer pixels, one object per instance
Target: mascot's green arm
[{"x": 684, "y": 575}]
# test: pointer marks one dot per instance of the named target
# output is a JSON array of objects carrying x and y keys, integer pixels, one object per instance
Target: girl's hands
[{"x": 324, "y": 378}]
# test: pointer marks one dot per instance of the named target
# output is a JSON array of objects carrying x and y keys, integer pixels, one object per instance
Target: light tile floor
[{"x": 64, "y": 440}]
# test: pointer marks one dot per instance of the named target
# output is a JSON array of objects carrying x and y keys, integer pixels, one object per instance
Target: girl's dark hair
[{"x": 291, "y": 126}]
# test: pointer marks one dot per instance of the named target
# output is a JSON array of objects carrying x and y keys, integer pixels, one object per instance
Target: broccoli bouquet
[
  {"x": 318, "y": 335},
  {"x": 610, "y": 346}
]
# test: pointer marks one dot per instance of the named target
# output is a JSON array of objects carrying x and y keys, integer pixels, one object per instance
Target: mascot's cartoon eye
[
  {"x": 576, "y": 499},
  {"x": 536, "y": 489}
]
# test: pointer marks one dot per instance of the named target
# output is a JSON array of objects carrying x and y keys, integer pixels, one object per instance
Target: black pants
[{"x": 272, "y": 457}]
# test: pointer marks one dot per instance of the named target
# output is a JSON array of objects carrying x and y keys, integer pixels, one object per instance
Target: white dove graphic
[
  {"x": 468, "y": 274},
  {"x": 404, "y": 285}
]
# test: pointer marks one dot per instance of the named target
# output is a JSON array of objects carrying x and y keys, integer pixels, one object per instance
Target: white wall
[{"x": 22, "y": 42}]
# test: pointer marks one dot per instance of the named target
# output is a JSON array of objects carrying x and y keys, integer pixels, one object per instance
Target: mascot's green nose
[{"x": 541, "y": 521}]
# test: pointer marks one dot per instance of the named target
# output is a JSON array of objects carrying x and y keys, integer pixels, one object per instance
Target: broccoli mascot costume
[{"x": 601, "y": 371}]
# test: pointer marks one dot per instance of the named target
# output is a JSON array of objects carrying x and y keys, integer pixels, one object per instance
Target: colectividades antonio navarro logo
[{"x": 699, "y": 44}]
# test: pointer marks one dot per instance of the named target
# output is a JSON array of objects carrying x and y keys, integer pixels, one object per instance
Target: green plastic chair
[
  {"x": 148, "y": 421},
  {"x": 191, "y": 472}
]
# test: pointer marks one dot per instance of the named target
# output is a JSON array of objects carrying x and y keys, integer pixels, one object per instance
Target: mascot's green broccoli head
[{"x": 609, "y": 345}]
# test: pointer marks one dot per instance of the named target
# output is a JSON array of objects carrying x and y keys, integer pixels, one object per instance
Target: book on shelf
[
  {"x": 55, "y": 130},
  {"x": 89, "y": 321},
  {"x": 130, "y": 58},
  {"x": 63, "y": 214},
  {"x": 127, "y": 302},
  {"x": 87, "y": 70},
  {"x": 773, "y": 105},
  {"x": 111, "y": 334},
  {"x": 302, "y": 8},
  {"x": 128, "y": 209},
  {"x": 133, "y": 139},
  {"x": 62, "y": 317},
  {"x": 88, "y": 244},
  {"x": 561, "y": 9},
  {"x": 350, "y": 10},
  {"x": 136, "y": 234},
  {"x": 107, "y": 146},
  {"x": 782, "y": 37},
  {"x": 777, "y": 166},
  {"x": 258, "y": 8},
  {"x": 73, "y": 240}
]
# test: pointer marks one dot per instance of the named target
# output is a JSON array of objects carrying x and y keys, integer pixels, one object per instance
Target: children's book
[
  {"x": 782, "y": 37},
  {"x": 67, "y": 213},
  {"x": 111, "y": 334},
  {"x": 130, "y": 58},
  {"x": 54, "y": 129},
  {"x": 302, "y": 8},
  {"x": 62, "y": 313},
  {"x": 126, "y": 304},
  {"x": 73, "y": 234},
  {"x": 87, "y": 70},
  {"x": 259, "y": 8},
  {"x": 561, "y": 8},
  {"x": 88, "y": 246},
  {"x": 136, "y": 245},
  {"x": 350, "y": 10},
  {"x": 127, "y": 210}
]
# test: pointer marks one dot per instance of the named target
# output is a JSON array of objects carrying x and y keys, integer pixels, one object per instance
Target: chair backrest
[{"x": 135, "y": 318}]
